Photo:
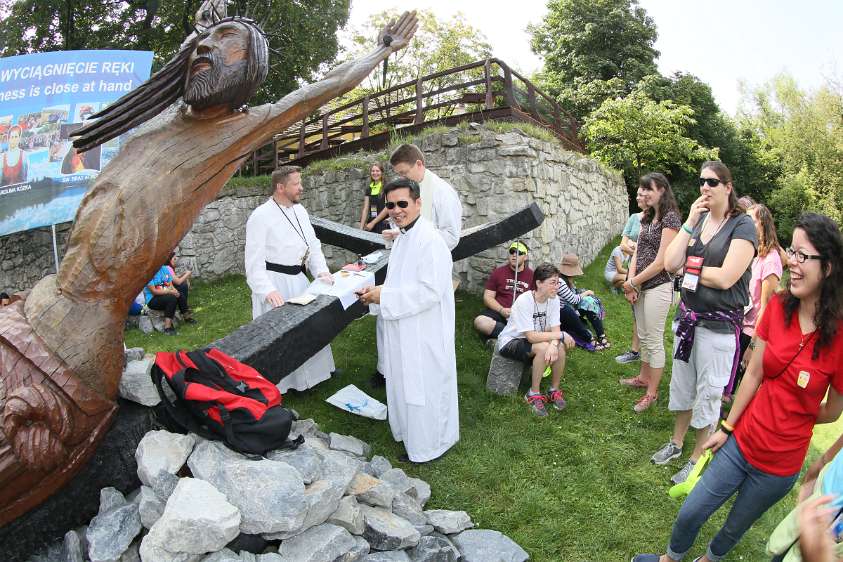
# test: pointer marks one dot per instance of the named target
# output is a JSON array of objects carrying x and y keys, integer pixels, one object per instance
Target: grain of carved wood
[{"x": 62, "y": 348}]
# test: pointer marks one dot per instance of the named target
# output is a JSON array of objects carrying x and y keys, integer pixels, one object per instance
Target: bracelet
[
  {"x": 686, "y": 229},
  {"x": 726, "y": 427}
]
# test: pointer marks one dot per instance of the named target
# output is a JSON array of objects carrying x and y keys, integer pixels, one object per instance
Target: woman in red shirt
[{"x": 798, "y": 358}]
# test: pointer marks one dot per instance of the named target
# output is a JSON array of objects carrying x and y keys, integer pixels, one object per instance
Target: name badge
[
  {"x": 804, "y": 379},
  {"x": 693, "y": 268},
  {"x": 373, "y": 212}
]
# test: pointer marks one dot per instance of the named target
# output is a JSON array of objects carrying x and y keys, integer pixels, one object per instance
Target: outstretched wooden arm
[{"x": 296, "y": 105}]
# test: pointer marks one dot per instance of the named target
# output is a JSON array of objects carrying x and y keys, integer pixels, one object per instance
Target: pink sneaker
[
  {"x": 636, "y": 382},
  {"x": 645, "y": 402}
]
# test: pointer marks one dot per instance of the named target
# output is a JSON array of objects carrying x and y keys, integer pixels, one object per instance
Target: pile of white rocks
[{"x": 323, "y": 502}]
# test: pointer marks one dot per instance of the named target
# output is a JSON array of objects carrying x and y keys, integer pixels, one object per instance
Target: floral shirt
[{"x": 649, "y": 240}]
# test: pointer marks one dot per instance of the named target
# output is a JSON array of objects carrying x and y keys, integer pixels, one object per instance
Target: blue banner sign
[{"x": 43, "y": 98}]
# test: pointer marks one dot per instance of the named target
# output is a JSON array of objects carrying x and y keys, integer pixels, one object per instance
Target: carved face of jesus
[{"x": 217, "y": 68}]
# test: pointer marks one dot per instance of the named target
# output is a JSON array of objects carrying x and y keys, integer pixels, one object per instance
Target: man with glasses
[
  {"x": 440, "y": 205},
  {"x": 415, "y": 306},
  {"x": 505, "y": 284}
]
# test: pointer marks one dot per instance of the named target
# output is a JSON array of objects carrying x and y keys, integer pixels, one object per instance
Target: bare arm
[
  {"x": 627, "y": 243},
  {"x": 751, "y": 381},
  {"x": 381, "y": 216},
  {"x": 831, "y": 408},
  {"x": 619, "y": 265},
  {"x": 365, "y": 213},
  {"x": 538, "y": 337},
  {"x": 768, "y": 289},
  {"x": 737, "y": 260},
  {"x": 490, "y": 302}
]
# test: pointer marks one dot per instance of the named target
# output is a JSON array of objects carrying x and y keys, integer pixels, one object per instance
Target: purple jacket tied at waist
[{"x": 688, "y": 320}]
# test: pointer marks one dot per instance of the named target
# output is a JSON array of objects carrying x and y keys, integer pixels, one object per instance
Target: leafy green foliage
[
  {"x": 801, "y": 135},
  {"x": 577, "y": 485},
  {"x": 302, "y": 32},
  {"x": 593, "y": 50},
  {"x": 638, "y": 135}
]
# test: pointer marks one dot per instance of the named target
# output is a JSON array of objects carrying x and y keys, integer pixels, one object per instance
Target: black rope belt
[{"x": 286, "y": 269}]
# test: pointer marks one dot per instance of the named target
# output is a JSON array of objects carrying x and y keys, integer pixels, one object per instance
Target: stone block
[
  {"x": 162, "y": 451},
  {"x": 448, "y": 522},
  {"x": 136, "y": 383},
  {"x": 434, "y": 548},
  {"x": 323, "y": 543},
  {"x": 349, "y": 444},
  {"x": 386, "y": 531},
  {"x": 504, "y": 375},
  {"x": 348, "y": 515},
  {"x": 371, "y": 491},
  {"x": 483, "y": 545}
]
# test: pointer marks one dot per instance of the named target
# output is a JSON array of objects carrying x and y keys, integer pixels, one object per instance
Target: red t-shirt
[
  {"x": 776, "y": 428},
  {"x": 502, "y": 280}
]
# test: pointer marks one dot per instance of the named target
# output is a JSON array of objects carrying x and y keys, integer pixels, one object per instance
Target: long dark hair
[
  {"x": 667, "y": 202},
  {"x": 166, "y": 86},
  {"x": 725, "y": 176},
  {"x": 825, "y": 236},
  {"x": 768, "y": 241}
]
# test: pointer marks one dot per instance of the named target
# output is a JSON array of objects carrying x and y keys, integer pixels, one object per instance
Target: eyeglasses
[
  {"x": 403, "y": 204},
  {"x": 712, "y": 182},
  {"x": 800, "y": 256},
  {"x": 512, "y": 251}
]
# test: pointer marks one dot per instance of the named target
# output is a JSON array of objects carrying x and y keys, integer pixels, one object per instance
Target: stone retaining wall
[{"x": 494, "y": 173}]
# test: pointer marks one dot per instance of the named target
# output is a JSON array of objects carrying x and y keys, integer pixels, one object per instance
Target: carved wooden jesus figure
[{"x": 61, "y": 350}]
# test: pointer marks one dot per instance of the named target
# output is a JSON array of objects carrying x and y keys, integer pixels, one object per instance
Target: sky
[{"x": 729, "y": 44}]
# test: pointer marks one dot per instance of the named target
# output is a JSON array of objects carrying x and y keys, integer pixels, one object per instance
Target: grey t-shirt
[{"x": 707, "y": 299}]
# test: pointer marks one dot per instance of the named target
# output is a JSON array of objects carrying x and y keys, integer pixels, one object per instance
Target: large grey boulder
[
  {"x": 323, "y": 543},
  {"x": 349, "y": 444},
  {"x": 132, "y": 554},
  {"x": 421, "y": 490},
  {"x": 306, "y": 427},
  {"x": 322, "y": 499},
  {"x": 150, "y": 506},
  {"x": 224, "y": 555},
  {"x": 371, "y": 490},
  {"x": 399, "y": 481},
  {"x": 151, "y": 552},
  {"x": 434, "y": 548},
  {"x": 197, "y": 519},
  {"x": 270, "y": 495},
  {"x": 339, "y": 467},
  {"x": 386, "y": 531},
  {"x": 504, "y": 375},
  {"x": 133, "y": 354},
  {"x": 379, "y": 465},
  {"x": 448, "y": 522},
  {"x": 304, "y": 459},
  {"x": 485, "y": 545},
  {"x": 162, "y": 451},
  {"x": 113, "y": 529},
  {"x": 136, "y": 383},
  {"x": 348, "y": 515},
  {"x": 408, "y": 507}
]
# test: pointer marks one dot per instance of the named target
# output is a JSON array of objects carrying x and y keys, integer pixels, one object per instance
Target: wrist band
[
  {"x": 726, "y": 427},
  {"x": 686, "y": 229}
]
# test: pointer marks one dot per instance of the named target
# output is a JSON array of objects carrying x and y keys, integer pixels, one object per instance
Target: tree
[
  {"x": 605, "y": 46},
  {"x": 638, "y": 135},
  {"x": 801, "y": 133},
  {"x": 301, "y": 33},
  {"x": 437, "y": 46}
]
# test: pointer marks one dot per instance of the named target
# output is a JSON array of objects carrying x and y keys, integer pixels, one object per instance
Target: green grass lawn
[{"x": 575, "y": 486}]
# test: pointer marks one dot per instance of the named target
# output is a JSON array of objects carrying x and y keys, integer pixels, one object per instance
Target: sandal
[{"x": 602, "y": 343}]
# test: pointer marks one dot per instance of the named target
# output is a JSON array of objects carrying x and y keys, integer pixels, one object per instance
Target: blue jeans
[{"x": 729, "y": 472}]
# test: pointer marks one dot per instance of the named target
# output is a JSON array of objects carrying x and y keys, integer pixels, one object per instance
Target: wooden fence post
[
  {"x": 365, "y": 132},
  {"x": 507, "y": 87},
  {"x": 301, "y": 139},
  {"x": 324, "y": 144},
  {"x": 487, "y": 70},
  {"x": 531, "y": 96},
  {"x": 419, "y": 103}
]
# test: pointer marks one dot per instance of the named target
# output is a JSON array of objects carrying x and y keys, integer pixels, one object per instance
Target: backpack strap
[
  {"x": 178, "y": 415},
  {"x": 212, "y": 372}
]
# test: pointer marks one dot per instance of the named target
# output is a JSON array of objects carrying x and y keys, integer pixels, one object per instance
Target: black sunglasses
[
  {"x": 403, "y": 204},
  {"x": 712, "y": 182}
]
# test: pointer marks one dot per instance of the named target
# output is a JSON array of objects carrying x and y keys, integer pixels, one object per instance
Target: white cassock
[
  {"x": 417, "y": 313},
  {"x": 441, "y": 206},
  {"x": 271, "y": 237}
]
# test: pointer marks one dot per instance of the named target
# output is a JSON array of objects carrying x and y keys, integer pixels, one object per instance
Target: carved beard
[{"x": 218, "y": 85}]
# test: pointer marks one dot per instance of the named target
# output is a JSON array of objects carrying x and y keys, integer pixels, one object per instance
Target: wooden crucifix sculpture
[{"x": 61, "y": 349}]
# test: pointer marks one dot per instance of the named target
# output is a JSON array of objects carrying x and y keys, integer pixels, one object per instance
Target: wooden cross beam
[{"x": 278, "y": 342}]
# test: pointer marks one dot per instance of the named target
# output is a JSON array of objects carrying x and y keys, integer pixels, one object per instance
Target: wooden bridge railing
[{"x": 477, "y": 91}]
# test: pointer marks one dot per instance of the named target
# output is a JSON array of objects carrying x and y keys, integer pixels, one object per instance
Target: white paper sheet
[{"x": 345, "y": 283}]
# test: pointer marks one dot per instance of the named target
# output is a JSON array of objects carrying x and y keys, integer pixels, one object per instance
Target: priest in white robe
[
  {"x": 280, "y": 242},
  {"x": 416, "y": 308}
]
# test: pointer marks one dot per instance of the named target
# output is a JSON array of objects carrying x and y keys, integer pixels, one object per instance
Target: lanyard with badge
[
  {"x": 694, "y": 264},
  {"x": 299, "y": 231}
]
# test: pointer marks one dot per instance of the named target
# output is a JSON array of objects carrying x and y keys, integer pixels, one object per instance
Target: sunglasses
[
  {"x": 403, "y": 204},
  {"x": 712, "y": 182},
  {"x": 512, "y": 251},
  {"x": 800, "y": 256}
]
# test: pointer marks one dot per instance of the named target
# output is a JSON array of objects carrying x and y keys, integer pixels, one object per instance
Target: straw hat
[{"x": 570, "y": 266}]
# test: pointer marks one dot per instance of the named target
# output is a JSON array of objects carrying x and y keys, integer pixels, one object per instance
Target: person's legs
[
  {"x": 166, "y": 303},
  {"x": 758, "y": 493},
  {"x": 595, "y": 322},
  {"x": 726, "y": 473},
  {"x": 484, "y": 325},
  {"x": 635, "y": 346},
  {"x": 656, "y": 304},
  {"x": 538, "y": 366},
  {"x": 184, "y": 308},
  {"x": 573, "y": 324},
  {"x": 489, "y": 323}
]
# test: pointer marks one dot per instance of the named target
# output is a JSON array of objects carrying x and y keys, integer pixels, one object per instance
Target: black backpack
[{"x": 220, "y": 398}]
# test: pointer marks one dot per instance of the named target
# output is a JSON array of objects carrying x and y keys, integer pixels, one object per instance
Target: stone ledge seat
[{"x": 504, "y": 374}]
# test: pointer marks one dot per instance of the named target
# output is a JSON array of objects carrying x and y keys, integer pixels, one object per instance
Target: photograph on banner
[{"x": 44, "y": 98}]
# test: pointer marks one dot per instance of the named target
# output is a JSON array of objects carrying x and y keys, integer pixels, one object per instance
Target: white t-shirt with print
[{"x": 528, "y": 315}]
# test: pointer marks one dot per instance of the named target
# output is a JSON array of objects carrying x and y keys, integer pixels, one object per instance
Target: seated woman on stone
[
  {"x": 182, "y": 284},
  {"x": 532, "y": 335},
  {"x": 160, "y": 294},
  {"x": 579, "y": 306},
  {"x": 617, "y": 266}
]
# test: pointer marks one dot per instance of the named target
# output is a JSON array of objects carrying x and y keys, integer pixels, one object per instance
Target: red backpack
[{"x": 218, "y": 397}]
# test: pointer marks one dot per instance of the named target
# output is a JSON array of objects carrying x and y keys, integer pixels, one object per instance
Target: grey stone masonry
[{"x": 494, "y": 173}]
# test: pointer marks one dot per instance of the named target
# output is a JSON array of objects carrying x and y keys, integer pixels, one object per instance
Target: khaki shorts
[{"x": 698, "y": 384}]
